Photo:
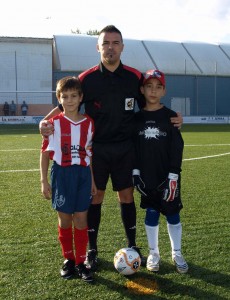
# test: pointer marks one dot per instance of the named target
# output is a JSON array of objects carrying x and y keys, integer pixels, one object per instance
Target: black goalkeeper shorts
[
  {"x": 115, "y": 161},
  {"x": 154, "y": 200}
]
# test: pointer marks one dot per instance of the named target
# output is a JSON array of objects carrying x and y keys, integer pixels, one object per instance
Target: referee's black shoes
[
  {"x": 92, "y": 260},
  {"x": 143, "y": 259},
  {"x": 84, "y": 273}
]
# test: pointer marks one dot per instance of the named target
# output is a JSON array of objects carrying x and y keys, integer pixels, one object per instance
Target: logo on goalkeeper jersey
[{"x": 152, "y": 133}]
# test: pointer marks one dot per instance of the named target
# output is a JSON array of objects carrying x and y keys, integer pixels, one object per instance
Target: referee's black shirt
[{"x": 110, "y": 99}]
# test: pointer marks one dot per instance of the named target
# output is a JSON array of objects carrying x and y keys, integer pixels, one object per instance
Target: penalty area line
[{"x": 204, "y": 157}]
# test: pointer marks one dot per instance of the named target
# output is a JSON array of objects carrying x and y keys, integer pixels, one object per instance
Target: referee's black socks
[
  {"x": 128, "y": 215},
  {"x": 94, "y": 219}
]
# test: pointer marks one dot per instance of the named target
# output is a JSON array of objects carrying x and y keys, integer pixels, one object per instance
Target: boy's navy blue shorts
[
  {"x": 115, "y": 160},
  {"x": 71, "y": 188}
]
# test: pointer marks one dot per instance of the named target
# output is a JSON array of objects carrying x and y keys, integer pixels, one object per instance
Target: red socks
[
  {"x": 65, "y": 237},
  {"x": 80, "y": 239},
  {"x": 80, "y": 242}
]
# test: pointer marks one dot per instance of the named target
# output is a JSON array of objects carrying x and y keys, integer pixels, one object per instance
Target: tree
[
  {"x": 89, "y": 32},
  {"x": 77, "y": 31},
  {"x": 93, "y": 32}
]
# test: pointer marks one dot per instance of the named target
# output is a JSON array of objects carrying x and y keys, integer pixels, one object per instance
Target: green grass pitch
[{"x": 30, "y": 254}]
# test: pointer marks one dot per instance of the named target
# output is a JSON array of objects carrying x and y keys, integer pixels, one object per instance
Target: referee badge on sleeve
[{"x": 129, "y": 103}]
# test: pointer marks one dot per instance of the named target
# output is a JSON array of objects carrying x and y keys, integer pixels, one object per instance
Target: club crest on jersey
[
  {"x": 65, "y": 149},
  {"x": 129, "y": 103}
]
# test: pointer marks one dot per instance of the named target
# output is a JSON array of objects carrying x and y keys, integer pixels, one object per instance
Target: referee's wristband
[{"x": 136, "y": 172}]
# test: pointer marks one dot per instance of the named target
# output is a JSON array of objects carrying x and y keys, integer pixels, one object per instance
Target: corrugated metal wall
[
  {"x": 209, "y": 95},
  {"x": 197, "y": 74}
]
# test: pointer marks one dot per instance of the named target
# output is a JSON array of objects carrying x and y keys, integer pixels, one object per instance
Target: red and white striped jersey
[{"x": 71, "y": 142}]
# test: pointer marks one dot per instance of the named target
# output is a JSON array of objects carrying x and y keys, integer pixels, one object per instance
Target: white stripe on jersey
[
  {"x": 70, "y": 141},
  {"x": 75, "y": 140}
]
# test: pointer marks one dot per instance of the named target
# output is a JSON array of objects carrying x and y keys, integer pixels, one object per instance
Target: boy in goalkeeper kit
[
  {"x": 159, "y": 149},
  {"x": 72, "y": 182}
]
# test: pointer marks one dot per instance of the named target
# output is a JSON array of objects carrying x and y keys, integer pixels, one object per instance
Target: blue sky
[{"x": 171, "y": 20}]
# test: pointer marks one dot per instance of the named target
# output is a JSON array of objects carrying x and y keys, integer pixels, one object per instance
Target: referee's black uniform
[{"x": 110, "y": 99}]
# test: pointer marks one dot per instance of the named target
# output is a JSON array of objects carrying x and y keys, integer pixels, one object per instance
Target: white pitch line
[
  {"x": 14, "y": 150},
  {"x": 207, "y": 145},
  {"x": 195, "y": 145},
  {"x": 185, "y": 159},
  {"x": 14, "y": 171},
  {"x": 209, "y": 156}
]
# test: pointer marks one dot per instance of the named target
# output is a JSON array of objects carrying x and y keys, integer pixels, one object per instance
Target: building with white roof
[{"x": 197, "y": 74}]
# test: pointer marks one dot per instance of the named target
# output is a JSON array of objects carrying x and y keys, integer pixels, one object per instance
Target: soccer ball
[{"x": 127, "y": 261}]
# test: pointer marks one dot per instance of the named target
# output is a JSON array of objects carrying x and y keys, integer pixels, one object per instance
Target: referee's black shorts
[{"x": 113, "y": 160}]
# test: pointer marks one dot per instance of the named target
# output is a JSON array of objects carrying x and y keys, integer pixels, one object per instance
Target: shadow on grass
[
  {"x": 195, "y": 273},
  {"x": 205, "y": 128},
  {"x": 209, "y": 276},
  {"x": 119, "y": 286},
  {"x": 19, "y": 129},
  {"x": 171, "y": 288}
]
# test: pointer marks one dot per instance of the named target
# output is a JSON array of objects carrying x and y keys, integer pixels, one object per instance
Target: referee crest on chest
[{"x": 129, "y": 103}]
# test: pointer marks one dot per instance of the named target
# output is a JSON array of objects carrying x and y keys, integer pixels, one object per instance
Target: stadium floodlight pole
[
  {"x": 215, "y": 88},
  {"x": 16, "y": 80},
  {"x": 197, "y": 96},
  {"x": 185, "y": 92}
]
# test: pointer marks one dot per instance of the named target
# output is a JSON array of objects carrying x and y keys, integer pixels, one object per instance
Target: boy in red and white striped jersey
[{"x": 72, "y": 182}]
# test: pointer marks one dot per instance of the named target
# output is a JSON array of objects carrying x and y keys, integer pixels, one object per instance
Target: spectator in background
[
  {"x": 12, "y": 108},
  {"x": 24, "y": 108},
  {"x": 6, "y": 108}
]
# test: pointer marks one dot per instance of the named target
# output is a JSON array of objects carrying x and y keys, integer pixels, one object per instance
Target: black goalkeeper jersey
[
  {"x": 110, "y": 99},
  {"x": 159, "y": 146}
]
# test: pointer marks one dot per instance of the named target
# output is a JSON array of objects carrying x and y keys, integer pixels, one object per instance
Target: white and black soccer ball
[{"x": 127, "y": 261}]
